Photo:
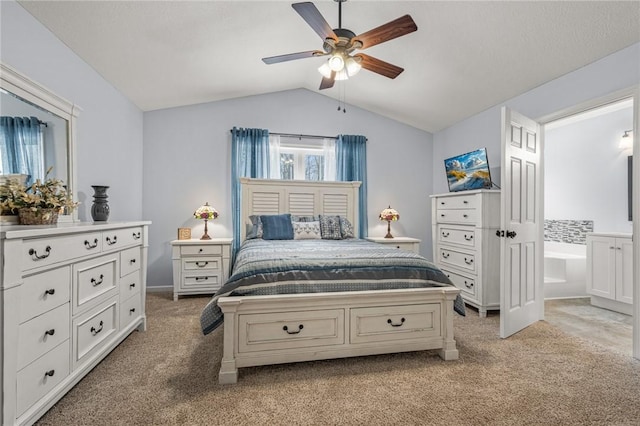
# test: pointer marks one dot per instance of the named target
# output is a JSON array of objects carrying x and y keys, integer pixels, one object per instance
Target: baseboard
[{"x": 159, "y": 288}]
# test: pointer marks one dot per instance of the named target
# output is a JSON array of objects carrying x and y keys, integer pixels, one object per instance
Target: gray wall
[
  {"x": 109, "y": 130},
  {"x": 187, "y": 162}
]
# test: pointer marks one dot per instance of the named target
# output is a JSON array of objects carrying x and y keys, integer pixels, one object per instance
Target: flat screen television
[{"x": 468, "y": 171}]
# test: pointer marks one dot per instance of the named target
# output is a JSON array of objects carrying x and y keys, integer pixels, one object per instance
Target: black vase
[{"x": 100, "y": 207}]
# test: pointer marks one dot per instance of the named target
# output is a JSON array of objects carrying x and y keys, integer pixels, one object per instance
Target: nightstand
[
  {"x": 200, "y": 266},
  {"x": 402, "y": 243}
]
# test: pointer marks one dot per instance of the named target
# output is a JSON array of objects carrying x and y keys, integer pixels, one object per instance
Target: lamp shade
[
  {"x": 207, "y": 213},
  {"x": 389, "y": 214}
]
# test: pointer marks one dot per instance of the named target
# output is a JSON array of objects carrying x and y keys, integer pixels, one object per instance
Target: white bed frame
[{"x": 265, "y": 330}]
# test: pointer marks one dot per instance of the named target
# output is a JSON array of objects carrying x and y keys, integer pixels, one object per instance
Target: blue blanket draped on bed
[{"x": 318, "y": 266}]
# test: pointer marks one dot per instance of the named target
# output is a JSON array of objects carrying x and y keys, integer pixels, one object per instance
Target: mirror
[{"x": 21, "y": 97}]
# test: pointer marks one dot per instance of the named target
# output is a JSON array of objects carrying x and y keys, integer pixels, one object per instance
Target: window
[{"x": 302, "y": 159}]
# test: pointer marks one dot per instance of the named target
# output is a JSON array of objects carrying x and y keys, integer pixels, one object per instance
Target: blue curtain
[
  {"x": 21, "y": 145},
  {"x": 351, "y": 164},
  {"x": 249, "y": 158}
]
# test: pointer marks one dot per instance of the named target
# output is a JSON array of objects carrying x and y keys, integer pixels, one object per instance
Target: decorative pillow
[
  {"x": 346, "y": 228},
  {"x": 277, "y": 227},
  {"x": 256, "y": 230},
  {"x": 306, "y": 230},
  {"x": 305, "y": 218},
  {"x": 330, "y": 227}
]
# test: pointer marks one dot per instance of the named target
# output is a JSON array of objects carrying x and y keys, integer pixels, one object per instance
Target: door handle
[{"x": 511, "y": 234}]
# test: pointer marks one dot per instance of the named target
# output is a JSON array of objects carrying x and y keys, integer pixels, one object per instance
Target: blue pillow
[{"x": 277, "y": 227}]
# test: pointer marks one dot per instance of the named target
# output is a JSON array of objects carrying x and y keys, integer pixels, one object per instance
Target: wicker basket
[{"x": 38, "y": 217}]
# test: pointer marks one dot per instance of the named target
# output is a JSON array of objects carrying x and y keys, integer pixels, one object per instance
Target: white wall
[
  {"x": 187, "y": 162},
  {"x": 109, "y": 130},
  {"x": 610, "y": 74},
  {"x": 586, "y": 172}
]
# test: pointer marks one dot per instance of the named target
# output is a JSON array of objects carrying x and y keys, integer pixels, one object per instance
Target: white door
[{"x": 521, "y": 227}]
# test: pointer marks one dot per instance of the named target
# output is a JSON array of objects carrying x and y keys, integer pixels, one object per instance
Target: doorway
[{"x": 586, "y": 193}]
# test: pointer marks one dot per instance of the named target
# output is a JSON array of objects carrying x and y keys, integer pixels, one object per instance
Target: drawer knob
[
  {"x": 441, "y": 214},
  {"x": 465, "y": 215},
  {"x": 51, "y": 291},
  {"x": 442, "y": 202},
  {"x": 300, "y": 327},
  {"x": 96, "y": 282},
  {"x": 35, "y": 256},
  {"x": 132, "y": 285},
  {"x": 201, "y": 264},
  {"x": 201, "y": 278},
  {"x": 468, "y": 261},
  {"x": 112, "y": 242},
  {"x": 49, "y": 373},
  {"x": 50, "y": 332},
  {"x": 95, "y": 331},
  {"x": 136, "y": 235},
  {"x": 468, "y": 237},
  {"x": 90, "y": 246},
  {"x": 395, "y": 324},
  {"x": 132, "y": 310},
  {"x": 465, "y": 202},
  {"x": 132, "y": 261},
  {"x": 200, "y": 251}
]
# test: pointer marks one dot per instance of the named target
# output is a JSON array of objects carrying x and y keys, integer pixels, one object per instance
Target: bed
[{"x": 310, "y": 299}]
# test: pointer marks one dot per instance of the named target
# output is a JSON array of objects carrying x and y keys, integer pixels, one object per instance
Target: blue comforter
[{"x": 317, "y": 266}]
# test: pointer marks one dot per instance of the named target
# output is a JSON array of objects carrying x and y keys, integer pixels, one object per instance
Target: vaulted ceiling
[{"x": 464, "y": 58}]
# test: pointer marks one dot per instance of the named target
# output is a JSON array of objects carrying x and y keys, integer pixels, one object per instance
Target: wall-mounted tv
[{"x": 468, "y": 171}]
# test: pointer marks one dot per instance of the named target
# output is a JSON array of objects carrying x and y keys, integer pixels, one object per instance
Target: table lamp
[
  {"x": 389, "y": 214},
  {"x": 205, "y": 212}
]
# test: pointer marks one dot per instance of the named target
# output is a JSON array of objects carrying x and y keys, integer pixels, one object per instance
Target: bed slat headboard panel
[{"x": 301, "y": 198}]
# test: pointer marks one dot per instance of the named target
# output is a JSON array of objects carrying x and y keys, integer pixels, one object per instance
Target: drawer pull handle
[
  {"x": 132, "y": 310},
  {"x": 468, "y": 261},
  {"x": 201, "y": 264},
  {"x": 112, "y": 242},
  {"x": 468, "y": 237},
  {"x": 88, "y": 244},
  {"x": 468, "y": 285},
  {"x": 35, "y": 256},
  {"x": 300, "y": 327},
  {"x": 442, "y": 202},
  {"x": 49, "y": 373},
  {"x": 50, "y": 332},
  {"x": 465, "y": 215},
  {"x": 445, "y": 255},
  {"x": 396, "y": 325},
  {"x": 132, "y": 261},
  {"x": 95, "y": 331},
  {"x": 201, "y": 278},
  {"x": 96, "y": 282},
  {"x": 441, "y": 214},
  {"x": 136, "y": 235},
  {"x": 445, "y": 234},
  {"x": 132, "y": 285},
  {"x": 51, "y": 291},
  {"x": 465, "y": 202}
]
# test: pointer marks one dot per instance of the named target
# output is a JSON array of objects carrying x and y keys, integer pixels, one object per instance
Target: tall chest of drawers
[
  {"x": 69, "y": 295},
  {"x": 465, "y": 245}
]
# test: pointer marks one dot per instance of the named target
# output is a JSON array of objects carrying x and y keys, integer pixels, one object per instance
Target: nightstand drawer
[
  {"x": 201, "y": 250},
  {"x": 210, "y": 281},
  {"x": 202, "y": 264}
]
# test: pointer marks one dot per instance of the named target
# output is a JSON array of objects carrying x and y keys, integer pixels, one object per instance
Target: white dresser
[
  {"x": 69, "y": 295},
  {"x": 465, "y": 245},
  {"x": 610, "y": 271}
]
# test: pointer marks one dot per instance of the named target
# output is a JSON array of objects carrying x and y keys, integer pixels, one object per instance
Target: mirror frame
[{"x": 13, "y": 81}]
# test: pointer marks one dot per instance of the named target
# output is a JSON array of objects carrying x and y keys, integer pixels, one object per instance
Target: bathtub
[{"x": 565, "y": 268}]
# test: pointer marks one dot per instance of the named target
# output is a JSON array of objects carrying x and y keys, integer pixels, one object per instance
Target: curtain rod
[{"x": 300, "y": 136}]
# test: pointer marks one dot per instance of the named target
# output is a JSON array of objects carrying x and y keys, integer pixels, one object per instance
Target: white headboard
[{"x": 298, "y": 197}]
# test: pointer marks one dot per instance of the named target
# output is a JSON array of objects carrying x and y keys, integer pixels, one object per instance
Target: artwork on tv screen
[{"x": 468, "y": 171}]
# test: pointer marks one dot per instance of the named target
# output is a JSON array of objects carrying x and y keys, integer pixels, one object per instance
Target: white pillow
[{"x": 306, "y": 230}]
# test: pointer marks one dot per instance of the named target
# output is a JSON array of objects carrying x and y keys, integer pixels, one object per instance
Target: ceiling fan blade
[
  {"x": 312, "y": 16},
  {"x": 291, "y": 56},
  {"x": 378, "y": 66},
  {"x": 397, "y": 28},
  {"x": 327, "y": 83}
]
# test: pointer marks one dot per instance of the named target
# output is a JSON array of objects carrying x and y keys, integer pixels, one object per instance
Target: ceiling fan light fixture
[
  {"x": 353, "y": 66},
  {"x": 342, "y": 75},
  {"x": 336, "y": 62},
  {"x": 325, "y": 70}
]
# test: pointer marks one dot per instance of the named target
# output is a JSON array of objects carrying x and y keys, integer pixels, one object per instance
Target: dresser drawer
[
  {"x": 285, "y": 330},
  {"x": 130, "y": 310},
  {"x": 390, "y": 323},
  {"x": 129, "y": 261},
  {"x": 201, "y": 250},
  {"x": 464, "y": 236},
  {"x": 39, "y": 377},
  {"x": 467, "y": 285},
  {"x": 120, "y": 238},
  {"x": 93, "y": 281},
  {"x": 93, "y": 330},
  {"x": 39, "y": 252},
  {"x": 42, "y": 292},
  {"x": 457, "y": 202},
  {"x": 202, "y": 263},
  {"x": 130, "y": 285},
  {"x": 457, "y": 216},
  {"x": 208, "y": 281},
  {"x": 41, "y": 334},
  {"x": 466, "y": 261}
]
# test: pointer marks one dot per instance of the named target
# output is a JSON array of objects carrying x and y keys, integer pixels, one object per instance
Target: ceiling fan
[{"x": 340, "y": 43}]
